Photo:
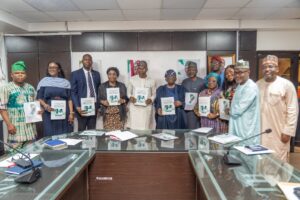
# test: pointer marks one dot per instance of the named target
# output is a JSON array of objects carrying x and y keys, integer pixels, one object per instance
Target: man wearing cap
[
  {"x": 140, "y": 110},
  {"x": 279, "y": 108},
  {"x": 244, "y": 112},
  {"x": 12, "y": 98},
  {"x": 217, "y": 65},
  {"x": 193, "y": 86}
]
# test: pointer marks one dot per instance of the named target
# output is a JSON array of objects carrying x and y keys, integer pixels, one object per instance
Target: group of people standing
[{"x": 269, "y": 103}]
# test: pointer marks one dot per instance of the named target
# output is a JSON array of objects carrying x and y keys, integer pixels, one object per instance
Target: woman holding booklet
[
  {"x": 54, "y": 94},
  {"x": 208, "y": 106},
  {"x": 113, "y": 99},
  {"x": 169, "y": 104}
]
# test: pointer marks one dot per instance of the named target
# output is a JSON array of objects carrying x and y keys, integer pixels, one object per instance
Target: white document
[
  {"x": 122, "y": 136},
  {"x": 288, "y": 189},
  {"x": 203, "y": 130},
  {"x": 113, "y": 96},
  {"x": 223, "y": 105},
  {"x": 190, "y": 100},
  {"x": 88, "y": 105},
  {"x": 71, "y": 141},
  {"x": 141, "y": 144},
  {"x": 92, "y": 133},
  {"x": 114, "y": 145},
  {"x": 167, "y": 144},
  {"x": 59, "y": 111},
  {"x": 190, "y": 141},
  {"x": 204, "y": 106},
  {"x": 167, "y": 106},
  {"x": 225, "y": 138},
  {"x": 9, "y": 161},
  {"x": 250, "y": 152},
  {"x": 31, "y": 110},
  {"x": 203, "y": 144},
  {"x": 164, "y": 136},
  {"x": 141, "y": 95}
]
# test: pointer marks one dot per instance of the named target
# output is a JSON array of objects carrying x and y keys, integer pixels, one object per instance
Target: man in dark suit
[{"x": 84, "y": 84}]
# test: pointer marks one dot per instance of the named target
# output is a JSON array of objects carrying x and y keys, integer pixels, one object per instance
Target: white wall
[{"x": 283, "y": 40}]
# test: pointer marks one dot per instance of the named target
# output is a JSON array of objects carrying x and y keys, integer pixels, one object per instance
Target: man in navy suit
[{"x": 84, "y": 84}]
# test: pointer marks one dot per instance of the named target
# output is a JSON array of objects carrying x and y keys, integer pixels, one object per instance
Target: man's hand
[
  {"x": 177, "y": 103},
  {"x": 122, "y": 101},
  {"x": 105, "y": 103},
  {"x": 159, "y": 112},
  {"x": 81, "y": 112},
  {"x": 132, "y": 99},
  {"x": 285, "y": 138},
  {"x": 11, "y": 129},
  {"x": 148, "y": 102}
]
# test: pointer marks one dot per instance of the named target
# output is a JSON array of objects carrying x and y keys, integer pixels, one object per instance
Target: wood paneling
[
  {"x": 54, "y": 43},
  {"x": 87, "y": 42},
  {"x": 64, "y": 58},
  {"x": 154, "y": 41},
  {"x": 120, "y": 41},
  {"x": 21, "y": 44},
  {"x": 221, "y": 40},
  {"x": 247, "y": 40},
  {"x": 31, "y": 61},
  {"x": 144, "y": 176},
  {"x": 189, "y": 41}
]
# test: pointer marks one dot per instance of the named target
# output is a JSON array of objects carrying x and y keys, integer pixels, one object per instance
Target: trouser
[{"x": 86, "y": 123}]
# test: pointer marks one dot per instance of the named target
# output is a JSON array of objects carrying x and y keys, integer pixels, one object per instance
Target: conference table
[{"x": 189, "y": 167}]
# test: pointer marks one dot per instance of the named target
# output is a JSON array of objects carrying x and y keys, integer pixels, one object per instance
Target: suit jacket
[{"x": 79, "y": 86}]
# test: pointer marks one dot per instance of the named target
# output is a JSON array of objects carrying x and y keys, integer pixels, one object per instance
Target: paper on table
[
  {"x": 288, "y": 189},
  {"x": 225, "y": 138},
  {"x": 59, "y": 107},
  {"x": 92, "y": 133},
  {"x": 8, "y": 162},
  {"x": 71, "y": 141},
  {"x": 31, "y": 110},
  {"x": 122, "y": 136},
  {"x": 204, "y": 105},
  {"x": 190, "y": 100},
  {"x": 141, "y": 95},
  {"x": 167, "y": 105},
  {"x": 203, "y": 130},
  {"x": 248, "y": 151},
  {"x": 167, "y": 144},
  {"x": 164, "y": 136}
]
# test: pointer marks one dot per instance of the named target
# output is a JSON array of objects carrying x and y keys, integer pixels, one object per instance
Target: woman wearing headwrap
[
  {"x": 177, "y": 121},
  {"x": 229, "y": 85},
  {"x": 214, "y": 92},
  {"x": 55, "y": 87},
  {"x": 13, "y": 95}
]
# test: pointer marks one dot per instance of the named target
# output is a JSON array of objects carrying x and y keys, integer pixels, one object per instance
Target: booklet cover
[
  {"x": 141, "y": 95},
  {"x": 204, "y": 106},
  {"x": 59, "y": 107},
  {"x": 223, "y": 105},
  {"x": 190, "y": 100},
  {"x": 164, "y": 136},
  {"x": 113, "y": 96},
  {"x": 167, "y": 106},
  {"x": 31, "y": 110},
  {"x": 88, "y": 105},
  {"x": 290, "y": 190}
]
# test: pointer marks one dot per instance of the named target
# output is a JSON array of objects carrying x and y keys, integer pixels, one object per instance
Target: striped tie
[{"x": 92, "y": 92}]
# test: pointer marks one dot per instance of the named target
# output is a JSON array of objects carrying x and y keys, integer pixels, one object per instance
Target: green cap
[
  {"x": 243, "y": 64},
  {"x": 18, "y": 66}
]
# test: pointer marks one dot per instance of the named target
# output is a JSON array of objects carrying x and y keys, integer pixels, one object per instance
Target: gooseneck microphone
[
  {"x": 228, "y": 160},
  {"x": 27, "y": 177}
]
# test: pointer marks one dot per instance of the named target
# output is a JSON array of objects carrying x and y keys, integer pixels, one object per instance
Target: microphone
[
  {"x": 27, "y": 177},
  {"x": 228, "y": 160}
]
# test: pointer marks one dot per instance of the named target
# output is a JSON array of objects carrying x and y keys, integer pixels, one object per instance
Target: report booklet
[
  {"x": 31, "y": 110},
  {"x": 223, "y": 105},
  {"x": 113, "y": 96},
  {"x": 59, "y": 111},
  {"x": 167, "y": 106},
  {"x": 141, "y": 95},
  {"x": 88, "y": 105},
  {"x": 204, "y": 106},
  {"x": 190, "y": 100}
]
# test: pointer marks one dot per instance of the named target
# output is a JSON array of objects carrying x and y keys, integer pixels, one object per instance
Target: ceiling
[{"x": 36, "y": 11}]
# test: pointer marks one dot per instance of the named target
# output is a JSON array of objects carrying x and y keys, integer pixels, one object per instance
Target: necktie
[{"x": 92, "y": 92}]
